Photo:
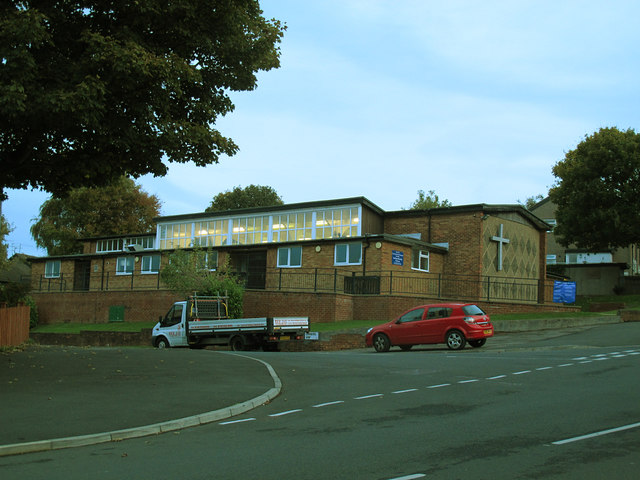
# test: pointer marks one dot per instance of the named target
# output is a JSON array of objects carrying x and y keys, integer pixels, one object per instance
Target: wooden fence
[{"x": 14, "y": 325}]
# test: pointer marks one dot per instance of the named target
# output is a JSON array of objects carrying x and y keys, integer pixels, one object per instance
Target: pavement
[{"x": 54, "y": 397}]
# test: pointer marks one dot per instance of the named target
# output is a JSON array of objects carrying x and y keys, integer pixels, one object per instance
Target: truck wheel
[
  {"x": 237, "y": 343},
  {"x": 162, "y": 343}
]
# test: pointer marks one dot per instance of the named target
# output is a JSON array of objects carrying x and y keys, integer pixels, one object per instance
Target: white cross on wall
[{"x": 501, "y": 241}]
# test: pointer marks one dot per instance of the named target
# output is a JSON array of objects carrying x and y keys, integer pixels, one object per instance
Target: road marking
[
  {"x": 521, "y": 372},
  {"x": 369, "y": 396},
  {"x": 285, "y": 413},
  {"x": 406, "y": 391},
  {"x": 565, "y": 365},
  {"x": 237, "y": 421},
  {"x": 468, "y": 381},
  {"x": 586, "y": 361},
  {"x": 579, "y": 358},
  {"x": 496, "y": 377},
  {"x": 597, "y": 434},
  {"x": 440, "y": 385},
  {"x": 328, "y": 403},
  {"x": 410, "y": 477},
  {"x": 543, "y": 368}
]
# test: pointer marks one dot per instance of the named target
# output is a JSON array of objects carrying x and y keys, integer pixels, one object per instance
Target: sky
[{"x": 475, "y": 100}]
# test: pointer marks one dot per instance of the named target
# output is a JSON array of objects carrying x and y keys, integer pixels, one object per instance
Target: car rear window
[{"x": 472, "y": 310}]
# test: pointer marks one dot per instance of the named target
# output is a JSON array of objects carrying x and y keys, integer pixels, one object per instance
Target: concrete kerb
[{"x": 154, "y": 429}]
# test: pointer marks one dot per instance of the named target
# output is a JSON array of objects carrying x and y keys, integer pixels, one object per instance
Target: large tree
[
  {"x": 118, "y": 209},
  {"x": 429, "y": 200},
  {"x": 93, "y": 90},
  {"x": 251, "y": 196},
  {"x": 597, "y": 191}
]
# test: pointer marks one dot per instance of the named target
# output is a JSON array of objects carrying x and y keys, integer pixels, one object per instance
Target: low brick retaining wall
[
  {"x": 87, "y": 338},
  {"x": 630, "y": 315}
]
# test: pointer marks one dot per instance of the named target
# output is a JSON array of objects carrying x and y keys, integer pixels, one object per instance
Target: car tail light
[{"x": 469, "y": 320}]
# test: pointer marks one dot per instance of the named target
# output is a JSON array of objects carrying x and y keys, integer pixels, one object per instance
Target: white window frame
[
  {"x": 288, "y": 263},
  {"x": 126, "y": 261},
  {"x": 52, "y": 269},
  {"x": 348, "y": 246},
  {"x": 421, "y": 254},
  {"x": 147, "y": 267}
]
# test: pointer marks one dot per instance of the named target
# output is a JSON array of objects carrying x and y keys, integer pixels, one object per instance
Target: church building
[{"x": 331, "y": 260}]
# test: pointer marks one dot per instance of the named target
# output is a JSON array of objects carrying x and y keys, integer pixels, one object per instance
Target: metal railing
[{"x": 328, "y": 280}]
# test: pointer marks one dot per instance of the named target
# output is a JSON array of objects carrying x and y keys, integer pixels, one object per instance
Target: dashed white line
[
  {"x": 439, "y": 385},
  {"x": 597, "y": 434},
  {"x": 327, "y": 404},
  {"x": 369, "y": 396},
  {"x": 288, "y": 412},
  {"x": 565, "y": 365},
  {"x": 410, "y": 477},
  {"x": 543, "y": 368},
  {"x": 522, "y": 372},
  {"x": 237, "y": 421},
  {"x": 406, "y": 391},
  {"x": 496, "y": 377},
  {"x": 468, "y": 381}
]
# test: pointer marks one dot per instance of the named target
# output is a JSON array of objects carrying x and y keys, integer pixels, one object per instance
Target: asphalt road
[{"x": 552, "y": 406}]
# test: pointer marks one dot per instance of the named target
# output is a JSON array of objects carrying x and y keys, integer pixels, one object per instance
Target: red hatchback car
[{"x": 452, "y": 323}]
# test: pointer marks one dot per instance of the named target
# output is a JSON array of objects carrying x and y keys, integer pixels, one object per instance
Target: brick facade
[{"x": 463, "y": 264}]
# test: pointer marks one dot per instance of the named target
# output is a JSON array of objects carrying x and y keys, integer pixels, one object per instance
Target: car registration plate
[
  {"x": 487, "y": 332},
  {"x": 285, "y": 337}
]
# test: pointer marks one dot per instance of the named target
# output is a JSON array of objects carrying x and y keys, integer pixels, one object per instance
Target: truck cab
[{"x": 170, "y": 331}]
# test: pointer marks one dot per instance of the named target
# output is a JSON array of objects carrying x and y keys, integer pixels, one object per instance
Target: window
[
  {"x": 337, "y": 223},
  {"x": 208, "y": 260},
  {"x": 151, "y": 264},
  {"x": 52, "y": 269},
  {"x": 290, "y": 257},
  {"x": 440, "y": 312},
  {"x": 292, "y": 226},
  {"x": 420, "y": 260},
  {"x": 176, "y": 235},
  {"x": 551, "y": 259},
  {"x": 348, "y": 254},
  {"x": 250, "y": 230},
  {"x": 412, "y": 316},
  {"x": 212, "y": 233},
  {"x": 124, "y": 265},
  {"x": 173, "y": 317}
]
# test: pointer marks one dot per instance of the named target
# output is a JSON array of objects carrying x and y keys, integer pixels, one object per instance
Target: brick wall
[{"x": 93, "y": 307}]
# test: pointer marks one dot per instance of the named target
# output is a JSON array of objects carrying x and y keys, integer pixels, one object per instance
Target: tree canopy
[
  {"x": 597, "y": 192},
  {"x": 428, "y": 200},
  {"x": 118, "y": 209},
  {"x": 251, "y": 196},
  {"x": 94, "y": 90}
]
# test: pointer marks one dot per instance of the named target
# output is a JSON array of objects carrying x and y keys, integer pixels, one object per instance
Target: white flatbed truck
[{"x": 203, "y": 320}]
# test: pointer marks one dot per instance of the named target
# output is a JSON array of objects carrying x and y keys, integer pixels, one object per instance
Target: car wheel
[
  {"x": 162, "y": 343},
  {"x": 381, "y": 342},
  {"x": 477, "y": 343},
  {"x": 406, "y": 348},
  {"x": 455, "y": 340}
]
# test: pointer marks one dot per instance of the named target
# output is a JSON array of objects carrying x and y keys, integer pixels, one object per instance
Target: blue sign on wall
[
  {"x": 564, "y": 292},
  {"x": 397, "y": 257}
]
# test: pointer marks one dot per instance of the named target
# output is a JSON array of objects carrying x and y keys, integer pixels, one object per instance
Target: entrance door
[
  {"x": 82, "y": 275},
  {"x": 251, "y": 267}
]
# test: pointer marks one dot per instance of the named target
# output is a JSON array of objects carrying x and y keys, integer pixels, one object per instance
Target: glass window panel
[
  {"x": 341, "y": 253},
  {"x": 355, "y": 252}
]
